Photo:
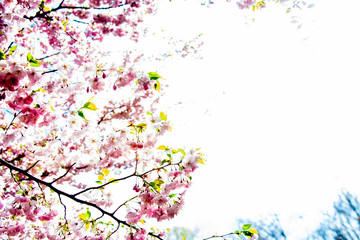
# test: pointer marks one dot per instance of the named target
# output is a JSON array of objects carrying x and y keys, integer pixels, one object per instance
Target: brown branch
[{"x": 55, "y": 70}]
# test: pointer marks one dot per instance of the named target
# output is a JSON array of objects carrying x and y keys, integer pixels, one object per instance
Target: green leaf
[
  {"x": 163, "y": 161},
  {"x": 12, "y": 49},
  {"x": 154, "y": 76},
  {"x": 2, "y": 55},
  {"x": 90, "y": 106},
  {"x": 246, "y": 227},
  {"x": 88, "y": 214},
  {"x": 172, "y": 195},
  {"x": 149, "y": 113},
  {"x": 163, "y": 116},
  {"x": 141, "y": 125},
  {"x": 83, "y": 216},
  {"x": 158, "y": 182},
  {"x": 182, "y": 151},
  {"x": 33, "y": 62},
  {"x": 99, "y": 182},
  {"x": 29, "y": 57},
  {"x": 81, "y": 114},
  {"x": 237, "y": 232}
]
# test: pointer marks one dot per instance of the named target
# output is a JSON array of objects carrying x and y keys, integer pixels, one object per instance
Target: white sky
[{"x": 274, "y": 107}]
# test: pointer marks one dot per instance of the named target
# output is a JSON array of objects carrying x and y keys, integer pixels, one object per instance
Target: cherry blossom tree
[{"x": 75, "y": 125}]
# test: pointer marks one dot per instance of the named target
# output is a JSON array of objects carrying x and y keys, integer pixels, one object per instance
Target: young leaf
[
  {"x": 81, "y": 114},
  {"x": 2, "y": 55},
  {"x": 201, "y": 160},
  {"x": 246, "y": 227},
  {"x": 99, "y": 182},
  {"x": 158, "y": 182},
  {"x": 112, "y": 180},
  {"x": 88, "y": 214},
  {"x": 163, "y": 116},
  {"x": 142, "y": 125},
  {"x": 106, "y": 172},
  {"x": 12, "y": 49},
  {"x": 182, "y": 151},
  {"x": 162, "y": 147},
  {"x": 172, "y": 195},
  {"x": 154, "y": 76},
  {"x": 90, "y": 106},
  {"x": 253, "y": 231},
  {"x": 29, "y": 57},
  {"x": 157, "y": 86},
  {"x": 237, "y": 232},
  {"x": 83, "y": 216},
  {"x": 87, "y": 225}
]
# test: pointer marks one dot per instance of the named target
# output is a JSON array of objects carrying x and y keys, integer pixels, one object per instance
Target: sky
[{"x": 273, "y": 104}]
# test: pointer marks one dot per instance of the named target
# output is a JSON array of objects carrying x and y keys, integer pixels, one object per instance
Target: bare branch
[
  {"x": 51, "y": 71},
  {"x": 64, "y": 208},
  {"x": 72, "y": 196},
  {"x": 32, "y": 166},
  {"x": 124, "y": 203},
  {"x": 103, "y": 185},
  {"x": 12, "y": 121},
  {"x": 48, "y": 56},
  {"x": 63, "y": 174},
  {"x": 220, "y": 236}
]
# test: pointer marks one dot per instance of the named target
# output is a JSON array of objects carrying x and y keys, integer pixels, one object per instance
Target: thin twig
[
  {"x": 103, "y": 185},
  {"x": 63, "y": 174},
  {"x": 220, "y": 236},
  {"x": 51, "y": 71},
  {"x": 64, "y": 209},
  {"x": 32, "y": 166},
  {"x": 12, "y": 121},
  {"x": 124, "y": 203},
  {"x": 48, "y": 56}
]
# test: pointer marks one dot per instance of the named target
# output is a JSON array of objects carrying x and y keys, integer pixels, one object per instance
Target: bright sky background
[{"x": 274, "y": 107}]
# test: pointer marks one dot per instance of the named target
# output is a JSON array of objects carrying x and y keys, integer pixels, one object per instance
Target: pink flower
[
  {"x": 133, "y": 217},
  {"x": 48, "y": 216}
]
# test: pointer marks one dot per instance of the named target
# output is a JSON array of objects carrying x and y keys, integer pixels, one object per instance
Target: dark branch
[
  {"x": 63, "y": 174},
  {"x": 48, "y": 56},
  {"x": 220, "y": 236},
  {"x": 27, "y": 170},
  {"x": 64, "y": 208},
  {"x": 55, "y": 70},
  {"x": 12, "y": 121},
  {"x": 72, "y": 196}
]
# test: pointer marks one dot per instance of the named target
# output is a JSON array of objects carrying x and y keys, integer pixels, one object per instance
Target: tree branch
[
  {"x": 12, "y": 121},
  {"x": 72, "y": 196},
  {"x": 220, "y": 236}
]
